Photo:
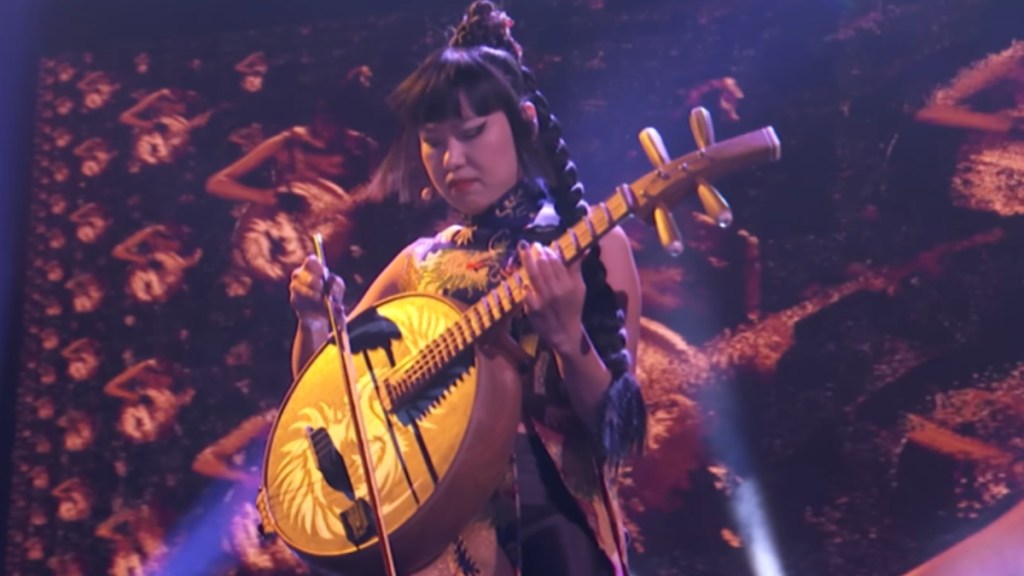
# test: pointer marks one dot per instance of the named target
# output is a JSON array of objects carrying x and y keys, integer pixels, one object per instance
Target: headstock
[{"x": 672, "y": 179}]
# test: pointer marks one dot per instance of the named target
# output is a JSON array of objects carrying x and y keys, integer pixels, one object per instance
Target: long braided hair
[{"x": 624, "y": 421}]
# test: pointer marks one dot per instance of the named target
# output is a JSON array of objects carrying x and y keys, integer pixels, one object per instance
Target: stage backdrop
[{"x": 835, "y": 380}]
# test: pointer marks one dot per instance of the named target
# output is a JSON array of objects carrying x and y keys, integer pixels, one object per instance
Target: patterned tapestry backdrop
[{"x": 848, "y": 355}]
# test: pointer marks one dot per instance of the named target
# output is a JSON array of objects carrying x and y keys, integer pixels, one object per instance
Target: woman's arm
[
  {"x": 200, "y": 119},
  {"x": 66, "y": 487},
  {"x": 126, "y": 249},
  {"x": 76, "y": 348},
  {"x": 226, "y": 183},
  {"x": 117, "y": 386},
  {"x": 90, "y": 81},
  {"x": 586, "y": 375},
  {"x": 994, "y": 550},
  {"x": 954, "y": 117},
  {"x": 130, "y": 116},
  {"x": 312, "y": 329},
  {"x": 253, "y": 63},
  {"x": 86, "y": 148},
  {"x": 213, "y": 460},
  {"x": 194, "y": 259},
  {"x": 947, "y": 107},
  {"x": 108, "y": 528}
]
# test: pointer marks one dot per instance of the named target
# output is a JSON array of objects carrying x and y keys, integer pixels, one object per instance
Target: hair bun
[
  {"x": 486, "y": 25},
  {"x": 480, "y": 8}
]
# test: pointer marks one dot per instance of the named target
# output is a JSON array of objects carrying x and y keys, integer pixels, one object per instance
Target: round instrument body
[{"x": 437, "y": 458}]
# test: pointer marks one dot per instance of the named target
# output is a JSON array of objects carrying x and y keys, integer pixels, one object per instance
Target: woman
[
  {"x": 83, "y": 356},
  {"x": 97, "y": 89},
  {"x": 91, "y": 221},
  {"x": 75, "y": 500},
  {"x": 313, "y": 170},
  {"x": 79, "y": 430},
  {"x": 86, "y": 293},
  {"x": 157, "y": 263},
  {"x": 137, "y": 537},
  {"x": 96, "y": 154},
  {"x": 150, "y": 404},
  {"x": 484, "y": 139},
  {"x": 162, "y": 129}
]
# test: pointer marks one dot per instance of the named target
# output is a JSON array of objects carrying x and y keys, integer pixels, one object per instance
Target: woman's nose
[{"x": 454, "y": 155}]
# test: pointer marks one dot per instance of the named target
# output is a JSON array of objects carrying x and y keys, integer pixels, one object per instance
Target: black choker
[{"x": 514, "y": 211}]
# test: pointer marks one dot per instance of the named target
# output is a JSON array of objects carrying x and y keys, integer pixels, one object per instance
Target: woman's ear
[{"x": 530, "y": 114}]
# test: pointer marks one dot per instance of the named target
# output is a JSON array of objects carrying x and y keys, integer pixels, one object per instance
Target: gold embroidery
[
  {"x": 462, "y": 236},
  {"x": 449, "y": 270}
]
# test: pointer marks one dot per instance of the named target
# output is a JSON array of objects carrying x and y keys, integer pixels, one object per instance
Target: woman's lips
[{"x": 460, "y": 184}]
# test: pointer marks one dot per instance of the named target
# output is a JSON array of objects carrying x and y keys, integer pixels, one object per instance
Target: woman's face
[{"x": 471, "y": 161}]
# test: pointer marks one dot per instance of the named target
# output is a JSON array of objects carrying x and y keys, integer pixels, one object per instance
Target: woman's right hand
[{"x": 306, "y": 292}]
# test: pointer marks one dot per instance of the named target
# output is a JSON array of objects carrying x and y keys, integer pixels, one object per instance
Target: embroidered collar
[{"x": 524, "y": 206}]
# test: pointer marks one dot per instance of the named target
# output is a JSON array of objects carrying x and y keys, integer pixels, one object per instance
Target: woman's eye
[{"x": 473, "y": 132}]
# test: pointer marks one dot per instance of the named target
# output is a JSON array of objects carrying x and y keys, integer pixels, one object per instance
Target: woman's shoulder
[
  {"x": 616, "y": 246},
  {"x": 424, "y": 245}
]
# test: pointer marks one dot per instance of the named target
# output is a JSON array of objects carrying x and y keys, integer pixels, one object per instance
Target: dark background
[{"x": 880, "y": 313}]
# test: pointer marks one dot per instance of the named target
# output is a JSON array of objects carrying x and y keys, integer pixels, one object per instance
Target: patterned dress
[{"x": 555, "y": 466}]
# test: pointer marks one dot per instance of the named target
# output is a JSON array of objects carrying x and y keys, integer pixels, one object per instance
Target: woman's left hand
[{"x": 554, "y": 296}]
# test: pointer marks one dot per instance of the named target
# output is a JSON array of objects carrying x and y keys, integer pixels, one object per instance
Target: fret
[
  {"x": 594, "y": 234},
  {"x": 481, "y": 314},
  {"x": 504, "y": 297},
  {"x": 565, "y": 248},
  {"x": 465, "y": 332},
  {"x": 621, "y": 203},
  {"x": 494, "y": 297},
  {"x": 486, "y": 313},
  {"x": 614, "y": 206},
  {"x": 607, "y": 214},
  {"x": 577, "y": 244},
  {"x": 450, "y": 346},
  {"x": 507, "y": 287},
  {"x": 454, "y": 347},
  {"x": 599, "y": 219},
  {"x": 519, "y": 286},
  {"x": 582, "y": 233},
  {"x": 476, "y": 321},
  {"x": 457, "y": 337}
]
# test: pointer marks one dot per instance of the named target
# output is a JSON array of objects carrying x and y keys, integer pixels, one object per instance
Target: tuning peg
[
  {"x": 654, "y": 147},
  {"x": 702, "y": 127},
  {"x": 715, "y": 205},
  {"x": 668, "y": 233}
]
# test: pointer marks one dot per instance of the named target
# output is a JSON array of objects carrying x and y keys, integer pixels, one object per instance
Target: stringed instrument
[{"x": 440, "y": 414}]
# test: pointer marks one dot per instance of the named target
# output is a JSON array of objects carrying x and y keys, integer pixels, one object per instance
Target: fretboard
[{"x": 505, "y": 298}]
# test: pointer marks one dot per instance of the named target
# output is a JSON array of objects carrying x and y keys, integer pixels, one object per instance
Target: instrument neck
[{"x": 507, "y": 296}]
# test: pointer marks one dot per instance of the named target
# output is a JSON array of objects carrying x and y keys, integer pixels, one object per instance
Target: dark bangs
[
  {"x": 432, "y": 93},
  {"x": 491, "y": 81}
]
